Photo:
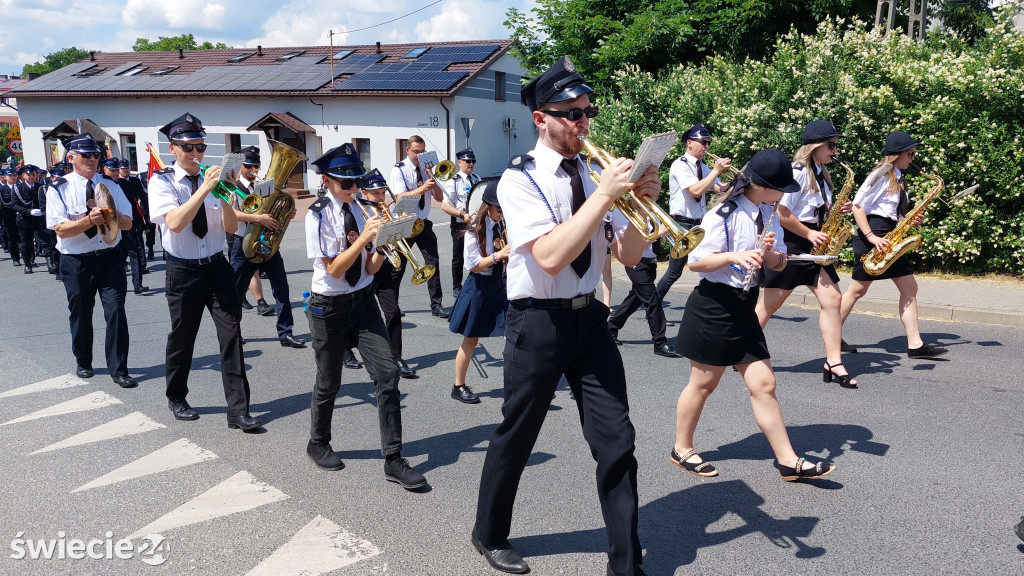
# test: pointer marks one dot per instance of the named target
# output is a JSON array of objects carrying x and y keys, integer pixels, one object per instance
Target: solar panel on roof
[
  {"x": 400, "y": 81},
  {"x": 460, "y": 53}
]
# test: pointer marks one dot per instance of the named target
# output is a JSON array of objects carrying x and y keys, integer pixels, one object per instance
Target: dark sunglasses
[
  {"x": 832, "y": 145},
  {"x": 704, "y": 142},
  {"x": 189, "y": 147},
  {"x": 89, "y": 154},
  {"x": 470, "y": 161},
  {"x": 253, "y": 166},
  {"x": 574, "y": 114},
  {"x": 345, "y": 183}
]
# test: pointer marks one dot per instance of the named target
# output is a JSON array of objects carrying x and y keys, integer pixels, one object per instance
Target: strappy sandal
[
  {"x": 704, "y": 469},
  {"x": 798, "y": 472},
  {"x": 846, "y": 381}
]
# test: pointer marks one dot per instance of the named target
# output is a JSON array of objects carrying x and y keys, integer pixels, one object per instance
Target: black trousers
[
  {"x": 136, "y": 254},
  {"x": 675, "y": 265},
  {"x": 84, "y": 277},
  {"x": 541, "y": 345},
  {"x": 150, "y": 236},
  {"x": 426, "y": 241},
  {"x": 190, "y": 288},
  {"x": 458, "y": 247},
  {"x": 643, "y": 292},
  {"x": 387, "y": 283},
  {"x": 28, "y": 247},
  {"x": 337, "y": 323},
  {"x": 13, "y": 235},
  {"x": 274, "y": 267}
]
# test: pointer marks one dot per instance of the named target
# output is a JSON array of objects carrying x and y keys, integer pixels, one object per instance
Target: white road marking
[
  {"x": 134, "y": 423},
  {"x": 177, "y": 454},
  {"x": 65, "y": 381},
  {"x": 238, "y": 493},
  {"x": 81, "y": 404},
  {"x": 319, "y": 547}
]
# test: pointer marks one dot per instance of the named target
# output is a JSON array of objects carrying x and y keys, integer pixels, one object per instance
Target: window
[
  {"x": 290, "y": 55},
  {"x": 133, "y": 71},
  {"x": 342, "y": 54},
  {"x": 128, "y": 150},
  {"x": 241, "y": 57},
  {"x": 362, "y": 146},
  {"x": 499, "y": 86},
  {"x": 164, "y": 71},
  {"x": 90, "y": 71},
  {"x": 415, "y": 53},
  {"x": 234, "y": 142},
  {"x": 402, "y": 144}
]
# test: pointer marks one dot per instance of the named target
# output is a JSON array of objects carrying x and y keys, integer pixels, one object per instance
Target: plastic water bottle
[{"x": 305, "y": 300}]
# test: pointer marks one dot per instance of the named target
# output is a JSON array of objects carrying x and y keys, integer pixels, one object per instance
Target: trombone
[
  {"x": 443, "y": 171},
  {"x": 226, "y": 191},
  {"x": 643, "y": 213},
  {"x": 421, "y": 273}
]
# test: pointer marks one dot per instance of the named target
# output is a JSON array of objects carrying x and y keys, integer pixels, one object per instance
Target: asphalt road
[{"x": 928, "y": 455}]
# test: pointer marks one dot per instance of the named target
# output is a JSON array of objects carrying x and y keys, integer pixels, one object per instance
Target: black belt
[
  {"x": 197, "y": 261},
  {"x": 338, "y": 298},
  {"x": 93, "y": 253},
  {"x": 651, "y": 260},
  {"x": 580, "y": 301}
]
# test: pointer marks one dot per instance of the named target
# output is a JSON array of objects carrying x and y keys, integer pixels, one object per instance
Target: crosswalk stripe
[
  {"x": 65, "y": 381},
  {"x": 238, "y": 493},
  {"x": 91, "y": 401},
  {"x": 134, "y": 423},
  {"x": 177, "y": 454},
  {"x": 319, "y": 547}
]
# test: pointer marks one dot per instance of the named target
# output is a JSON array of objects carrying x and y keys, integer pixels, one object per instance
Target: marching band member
[
  {"x": 720, "y": 327},
  {"x": 480, "y": 308},
  {"x": 136, "y": 194},
  {"x": 802, "y": 216},
  {"x": 198, "y": 276},
  {"x": 453, "y": 203},
  {"x": 555, "y": 326},
  {"x": 89, "y": 265},
  {"x": 342, "y": 311},
  {"x": 877, "y": 210},
  {"x": 407, "y": 180},
  {"x": 12, "y": 240},
  {"x": 30, "y": 218}
]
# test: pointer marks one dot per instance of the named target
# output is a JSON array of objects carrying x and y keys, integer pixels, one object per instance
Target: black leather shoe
[
  {"x": 245, "y": 304},
  {"x": 181, "y": 410},
  {"x": 615, "y": 337},
  {"x": 125, "y": 381},
  {"x": 324, "y": 456},
  {"x": 264, "y": 309},
  {"x": 244, "y": 421},
  {"x": 440, "y": 311},
  {"x": 290, "y": 341},
  {"x": 404, "y": 370},
  {"x": 465, "y": 395},
  {"x": 501, "y": 557},
  {"x": 28, "y": 270},
  {"x": 926, "y": 351},
  {"x": 142, "y": 289},
  {"x": 145, "y": 270},
  {"x": 398, "y": 470},
  {"x": 846, "y": 348},
  {"x": 351, "y": 361},
  {"x": 455, "y": 292},
  {"x": 150, "y": 254},
  {"x": 84, "y": 372},
  {"x": 1019, "y": 529},
  {"x": 17, "y": 262},
  {"x": 667, "y": 351}
]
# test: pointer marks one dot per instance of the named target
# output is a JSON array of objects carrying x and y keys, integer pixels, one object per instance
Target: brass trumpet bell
[
  {"x": 444, "y": 171},
  {"x": 638, "y": 214}
]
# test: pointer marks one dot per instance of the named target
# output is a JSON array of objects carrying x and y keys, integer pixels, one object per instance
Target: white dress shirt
[
  {"x": 805, "y": 203},
  {"x": 529, "y": 214},
  {"x": 472, "y": 252},
  {"x": 879, "y": 200},
  {"x": 456, "y": 190},
  {"x": 326, "y": 238},
  {"x": 682, "y": 175},
  {"x": 742, "y": 236},
  {"x": 403, "y": 179},
  {"x": 169, "y": 190},
  {"x": 66, "y": 202}
]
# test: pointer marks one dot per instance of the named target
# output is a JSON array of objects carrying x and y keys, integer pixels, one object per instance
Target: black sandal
[
  {"x": 700, "y": 468},
  {"x": 846, "y": 381},
  {"x": 1019, "y": 529},
  {"x": 819, "y": 470}
]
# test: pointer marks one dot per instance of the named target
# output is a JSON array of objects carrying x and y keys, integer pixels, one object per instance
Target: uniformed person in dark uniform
[
  {"x": 139, "y": 198},
  {"x": 30, "y": 218},
  {"x": 88, "y": 264},
  {"x": 273, "y": 266},
  {"x": 48, "y": 238},
  {"x": 555, "y": 217},
  {"x": 12, "y": 239},
  {"x": 198, "y": 276},
  {"x": 454, "y": 203},
  {"x": 132, "y": 188}
]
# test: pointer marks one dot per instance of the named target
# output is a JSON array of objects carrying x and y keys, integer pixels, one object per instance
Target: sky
[{"x": 29, "y": 30}]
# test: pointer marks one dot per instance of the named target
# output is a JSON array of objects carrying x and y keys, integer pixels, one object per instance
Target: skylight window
[
  {"x": 90, "y": 71},
  {"x": 415, "y": 52},
  {"x": 342, "y": 54},
  {"x": 133, "y": 71},
  {"x": 290, "y": 55},
  {"x": 164, "y": 71},
  {"x": 241, "y": 57}
]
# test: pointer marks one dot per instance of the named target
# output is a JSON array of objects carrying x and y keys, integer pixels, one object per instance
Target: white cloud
[{"x": 179, "y": 14}]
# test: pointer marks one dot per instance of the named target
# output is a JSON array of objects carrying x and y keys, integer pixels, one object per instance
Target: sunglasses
[
  {"x": 470, "y": 161},
  {"x": 832, "y": 145},
  {"x": 189, "y": 147},
  {"x": 345, "y": 183},
  {"x": 704, "y": 142},
  {"x": 89, "y": 154},
  {"x": 574, "y": 114},
  {"x": 253, "y": 166}
]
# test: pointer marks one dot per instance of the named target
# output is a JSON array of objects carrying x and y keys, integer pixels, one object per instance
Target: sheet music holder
[
  {"x": 264, "y": 188},
  {"x": 231, "y": 166},
  {"x": 407, "y": 205},
  {"x": 652, "y": 152},
  {"x": 427, "y": 159},
  {"x": 391, "y": 232}
]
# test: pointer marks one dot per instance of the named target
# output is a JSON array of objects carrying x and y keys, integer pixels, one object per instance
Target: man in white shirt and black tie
[{"x": 456, "y": 195}]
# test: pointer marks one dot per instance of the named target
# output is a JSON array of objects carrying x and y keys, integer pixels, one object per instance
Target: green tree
[
  {"x": 182, "y": 42},
  {"x": 55, "y": 61},
  {"x": 965, "y": 18}
]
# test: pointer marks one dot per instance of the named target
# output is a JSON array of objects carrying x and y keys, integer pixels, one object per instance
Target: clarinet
[{"x": 749, "y": 277}]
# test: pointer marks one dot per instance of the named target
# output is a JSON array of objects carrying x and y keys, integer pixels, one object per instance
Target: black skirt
[
  {"x": 479, "y": 311},
  {"x": 880, "y": 226},
  {"x": 798, "y": 273},
  {"x": 720, "y": 326}
]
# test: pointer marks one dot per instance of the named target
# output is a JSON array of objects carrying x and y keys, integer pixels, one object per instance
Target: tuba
[
  {"x": 420, "y": 272},
  {"x": 260, "y": 242},
  {"x": 643, "y": 213},
  {"x": 839, "y": 230},
  {"x": 900, "y": 240}
]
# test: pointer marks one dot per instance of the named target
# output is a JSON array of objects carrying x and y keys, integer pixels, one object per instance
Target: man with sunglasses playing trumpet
[
  {"x": 555, "y": 216},
  {"x": 198, "y": 275}
]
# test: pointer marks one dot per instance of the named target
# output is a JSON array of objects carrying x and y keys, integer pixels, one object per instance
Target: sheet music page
[
  {"x": 264, "y": 188},
  {"x": 407, "y": 205},
  {"x": 652, "y": 152},
  {"x": 391, "y": 232},
  {"x": 427, "y": 159},
  {"x": 231, "y": 166}
]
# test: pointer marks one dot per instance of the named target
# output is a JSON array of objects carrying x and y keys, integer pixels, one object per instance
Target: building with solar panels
[{"x": 453, "y": 94}]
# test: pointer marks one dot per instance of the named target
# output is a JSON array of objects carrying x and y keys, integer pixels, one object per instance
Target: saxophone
[
  {"x": 837, "y": 227},
  {"x": 900, "y": 240}
]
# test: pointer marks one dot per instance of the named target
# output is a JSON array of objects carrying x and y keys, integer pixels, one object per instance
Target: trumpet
[
  {"x": 731, "y": 171},
  {"x": 421, "y": 272},
  {"x": 643, "y": 213},
  {"x": 226, "y": 191}
]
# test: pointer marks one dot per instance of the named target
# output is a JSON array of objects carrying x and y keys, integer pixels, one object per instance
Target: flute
[{"x": 749, "y": 277}]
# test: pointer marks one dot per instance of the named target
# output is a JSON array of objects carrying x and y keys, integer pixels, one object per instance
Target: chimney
[
  {"x": 92, "y": 55},
  {"x": 378, "y": 47},
  {"x": 259, "y": 50},
  {"x": 181, "y": 53}
]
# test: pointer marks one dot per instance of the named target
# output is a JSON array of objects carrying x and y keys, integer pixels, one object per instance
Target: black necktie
[
  {"x": 419, "y": 182},
  {"x": 700, "y": 171},
  {"x": 759, "y": 221},
  {"x": 199, "y": 225},
  {"x": 823, "y": 209},
  {"x": 582, "y": 262},
  {"x": 90, "y": 194},
  {"x": 355, "y": 271},
  {"x": 904, "y": 203},
  {"x": 495, "y": 237}
]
